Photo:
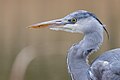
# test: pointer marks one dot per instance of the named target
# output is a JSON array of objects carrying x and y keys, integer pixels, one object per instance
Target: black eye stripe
[{"x": 69, "y": 20}]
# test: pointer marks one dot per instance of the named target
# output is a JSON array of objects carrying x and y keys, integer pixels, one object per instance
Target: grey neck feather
[{"x": 77, "y": 55}]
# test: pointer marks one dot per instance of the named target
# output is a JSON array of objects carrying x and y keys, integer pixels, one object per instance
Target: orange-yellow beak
[{"x": 50, "y": 24}]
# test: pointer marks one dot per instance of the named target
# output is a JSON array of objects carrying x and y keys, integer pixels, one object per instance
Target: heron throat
[{"x": 91, "y": 42}]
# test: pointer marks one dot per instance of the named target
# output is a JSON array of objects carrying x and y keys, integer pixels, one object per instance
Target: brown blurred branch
[{"x": 21, "y": 63}]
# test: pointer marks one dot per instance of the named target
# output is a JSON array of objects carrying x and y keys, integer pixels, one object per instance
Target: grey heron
[{"x": 105, "y": 66}]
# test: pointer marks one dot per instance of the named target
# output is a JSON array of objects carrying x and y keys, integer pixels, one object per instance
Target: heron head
[{"x": 80, "y": 21}]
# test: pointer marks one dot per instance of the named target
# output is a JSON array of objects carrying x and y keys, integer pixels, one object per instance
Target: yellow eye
[{"x": 73, "y": 20}]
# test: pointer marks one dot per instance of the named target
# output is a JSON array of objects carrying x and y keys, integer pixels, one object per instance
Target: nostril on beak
[{"x": 58, "y": 21}]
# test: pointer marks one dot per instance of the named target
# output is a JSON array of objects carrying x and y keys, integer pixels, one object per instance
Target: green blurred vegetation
[{"x": 51, "y": 46}]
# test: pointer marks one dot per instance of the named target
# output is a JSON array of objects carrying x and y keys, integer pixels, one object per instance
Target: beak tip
[
  {"x": 33, "y": 26},
  {"x": 28, "y": 27}
]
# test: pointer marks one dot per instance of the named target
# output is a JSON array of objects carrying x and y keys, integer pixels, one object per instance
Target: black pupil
[{"x": 73, "y": 20}]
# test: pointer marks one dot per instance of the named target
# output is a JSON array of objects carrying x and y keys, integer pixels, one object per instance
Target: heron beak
[
  {"x": 58, "y": 24},
  {"x": 49, "y": 24}
]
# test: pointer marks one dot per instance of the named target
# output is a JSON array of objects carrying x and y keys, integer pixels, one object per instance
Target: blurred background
[{"x": 41, "y": 54}]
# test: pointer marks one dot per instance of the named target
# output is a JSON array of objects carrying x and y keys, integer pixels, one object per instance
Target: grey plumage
[
  {"x": 107, "y": 66},
  {"x": 104, "y": 67}
]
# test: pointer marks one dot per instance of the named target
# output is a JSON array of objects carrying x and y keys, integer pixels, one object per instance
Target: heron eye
[{"x": 73, "y": 20}]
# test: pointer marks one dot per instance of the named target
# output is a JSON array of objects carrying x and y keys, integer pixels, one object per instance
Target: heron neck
[
  {"x": 77, "y": 56},
  {"x": 91, "y": 42}
]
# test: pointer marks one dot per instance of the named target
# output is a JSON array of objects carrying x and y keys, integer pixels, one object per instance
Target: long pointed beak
[{"x": 50, "y": 24}]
